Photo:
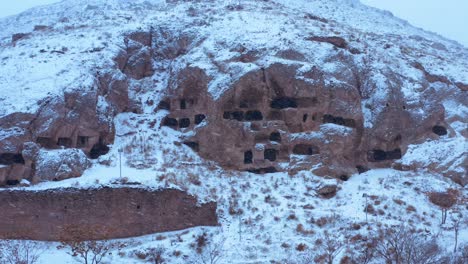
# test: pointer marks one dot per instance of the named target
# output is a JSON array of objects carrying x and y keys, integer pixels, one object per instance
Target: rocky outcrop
[
  {"x": 280, "y": 115},
  {"x": 60, "y": 164},
  {"x": 105, "y": 213}
]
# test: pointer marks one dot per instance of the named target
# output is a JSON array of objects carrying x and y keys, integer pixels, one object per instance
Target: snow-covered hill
[{"x": 96, "y": 72}]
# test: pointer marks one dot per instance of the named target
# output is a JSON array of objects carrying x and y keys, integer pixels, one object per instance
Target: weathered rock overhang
[{"x": 96, "y": 214}]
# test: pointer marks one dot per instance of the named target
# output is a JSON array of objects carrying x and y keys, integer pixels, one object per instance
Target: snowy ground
[{"x": 273, "y": 205}]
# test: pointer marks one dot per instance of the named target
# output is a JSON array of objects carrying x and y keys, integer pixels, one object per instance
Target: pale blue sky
[{"x": 449, "y": 18}]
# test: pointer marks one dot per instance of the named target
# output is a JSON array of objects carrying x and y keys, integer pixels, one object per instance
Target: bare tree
[
  {"x": 89, "y": 252},
  {"x": 401, "y": 245},
  {"x": 331, "y": 245},
  {"x": 209, "y": 251},
  {"x": 19, "y": 252}
]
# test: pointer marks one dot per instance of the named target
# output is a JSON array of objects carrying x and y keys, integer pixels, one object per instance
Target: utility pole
[{"x": 120, "y": 161}]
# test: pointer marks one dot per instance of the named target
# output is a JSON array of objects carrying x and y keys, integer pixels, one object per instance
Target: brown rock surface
[
  {"x": 79, "y": 214},
  {"x": 280, "y": 115}
]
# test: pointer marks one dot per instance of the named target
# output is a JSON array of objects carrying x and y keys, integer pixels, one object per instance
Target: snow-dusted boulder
[{"x": 53, "y": 165}]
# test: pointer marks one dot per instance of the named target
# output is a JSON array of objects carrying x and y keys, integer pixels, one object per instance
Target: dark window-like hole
[
  {"x": 164, "y": 105},
  {"x": 199, "y": 118},
  {"x": 263, "y": 170},
  {"x": 11, "y": 158},
  {"x": 248, "y": 157},
  {"x": 45, "y": 142},
  {"x": 269, "y": 154},
  {"x": 184, "y": 122},
  {"x": 253, "y": 115},
  {"x": 237, "y": 115},
  {"x": 304, "y": 118},
  {"x": 65, "y": 142},
  {"x": 138, "y": 207},
  {"x": 227, "y": 115},
  {"x": 183, "y": 104},
  {"x": 377, "y": 155},
  {"x": 344, "y": 177},
  {"x": 193, "y": 145},
  {"x": 361, "y": 169},
  {"x": 98, "y": 149},
  {"x": 394, "y": 154},
  {"x": 439, "y": 130},
  {"x": 283, "y": 102},
  {"x": 349, "y": 122},
  {"x": 170, "y": 122},
  {"x": 305, "y": 149},
  {"x": 275, "y": 136},
  {"x": 82, "y": 141},
  {"x": 12, "y": 182}
]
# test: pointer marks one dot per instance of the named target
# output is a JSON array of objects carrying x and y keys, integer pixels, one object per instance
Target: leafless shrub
[
  {"x": 400, "y": 245},
  {"x": 89, "y": 252},
  {"x": 19, "y": 252},
  {"x": 211, "y": 252},
  {"x": 156, "y": 255},
  {"x": 329, "y": 246}
]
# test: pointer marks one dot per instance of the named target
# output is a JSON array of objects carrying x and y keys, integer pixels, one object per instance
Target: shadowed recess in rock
[
  {"x": 11, "y": 158},
  {"x": 381, "y": 155},
  {"x": 305, "y": 149},
  {"x": 193, "y": 145},
  {"x": 283, "y": 102},
  {"x": 98, "y": 150},
  {"x": 439, "y": 130},
  {"x": 339, "y": 120}
]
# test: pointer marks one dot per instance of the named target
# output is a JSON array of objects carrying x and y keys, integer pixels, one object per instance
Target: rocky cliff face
[{"x": 313, "y": 94}]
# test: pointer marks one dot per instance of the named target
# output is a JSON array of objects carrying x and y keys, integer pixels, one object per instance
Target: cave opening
[
  {"x": 253, "y": 115},
  {"x": 11, "y": 158},
  {"x": 170, "y": 122},
  {"x": 82, "y": 141},
  {"x": 193, "y": 145},
  {"x": 275, "y": 136},
  {"x": 184, "y": 122},
  {"x": 164, "y": 105},
  {"x": 98, "y": 150},
  {"x": 12, "y": 182},
  {"x": 269, "y": 154},
  {"x": 64, "y": 142},
  {"x": 304, "y": 118},
  {"x": 439, "y": 130},
  {"x": 248, "y": 157},
  {"x": 183, "y": 104},
  {"x": 305, "y": 149},
  {"x": 199, "y": 118},
  {"x": 45, "y": 142},
  {"x": 283, "y": 102}
]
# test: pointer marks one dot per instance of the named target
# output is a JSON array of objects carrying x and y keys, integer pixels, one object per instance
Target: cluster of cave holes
[
  {"x": 251, "y": 115},
  {"x": 381, "y": 155},
  {"x": 183, "y": 122},
  {"x": 268, "y": 154},
  {"x": 97, "y": 150},
  {"x": 183, "y": 104}
]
